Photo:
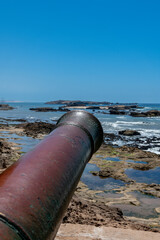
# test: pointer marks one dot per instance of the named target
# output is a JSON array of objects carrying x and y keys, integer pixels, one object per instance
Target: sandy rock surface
[{"x": 83, "y": 232}]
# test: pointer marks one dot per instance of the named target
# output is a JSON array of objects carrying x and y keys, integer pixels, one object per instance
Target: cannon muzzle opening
[{"x": 36, "y": 190}]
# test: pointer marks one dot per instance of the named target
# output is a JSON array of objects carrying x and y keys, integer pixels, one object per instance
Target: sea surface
[{"x": 149, "y": 127}]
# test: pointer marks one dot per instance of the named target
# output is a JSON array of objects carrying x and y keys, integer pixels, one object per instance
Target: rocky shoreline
[
  {"x": 90, "y": 206},
  {"x": 5, "y": 107},
  {"x": 76, "y": 103},
  {"x": 104, "y": 108},
  {"x": 97, "y": 107}
]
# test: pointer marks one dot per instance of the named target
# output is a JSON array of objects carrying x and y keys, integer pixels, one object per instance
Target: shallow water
[
  {"x": 112, "y": 159},
  {"x": 146, "y": 209},
  {"x": 148, "y": 176},
  {"x": 110, "y": 194},
  {"x": 25, "y": 143},
  {"x": 97, "y": 183},
  {"x": 133, "y": 161}
]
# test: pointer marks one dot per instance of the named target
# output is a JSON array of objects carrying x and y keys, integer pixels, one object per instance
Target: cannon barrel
[{"x": 36, "y": 190}]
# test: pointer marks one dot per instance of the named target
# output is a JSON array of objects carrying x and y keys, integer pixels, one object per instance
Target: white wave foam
[
  {"x": 121, "y": 117},
  {"x": 150, "y": 133},
  {"x": 129, "y": 123},
  {"x": 118, "y": 142},
  {"x": 147, "y": 108},
  {"x": 154, "y": 150},
  {"x": 120, "y": 124},
  {"x": 53, "y": 118},
  {"x": 31, "y": 117}
]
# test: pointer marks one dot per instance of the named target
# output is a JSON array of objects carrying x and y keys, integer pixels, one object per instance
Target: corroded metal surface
[
  {"x": 36, "y": 190},
  {"x": 87, "y": 122},
  {"x": 7, "y": 232}
]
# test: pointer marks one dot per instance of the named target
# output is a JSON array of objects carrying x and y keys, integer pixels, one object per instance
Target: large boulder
[
  {"x": 36, "y": 128},
  {"x": 5, "y": 154},
  {"x": 49, "y": 109},
  {"x": 123, "y": 107},
  {"x": 5, "y": 107},
  {"x": 129, "y": 132},
  {"x": 117, "y": 112},
  {"x": 151, "y": 113},
  {"x": 93, "y": 107}
]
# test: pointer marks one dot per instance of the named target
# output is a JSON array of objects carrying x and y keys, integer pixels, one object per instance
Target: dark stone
[
  {"x": 137, "y": 114},
  {"x": 5, "y": 150},
  {"x": 61, "y": 109},
  {"x": 45, "y": 109},
  {"x": 5, "y": 107},
  {"x": 93, "y": 107},
  {"x": 152, "y": 113},
  {"x": 103, "y": 112},
  {"x": 15, "y": 120},
  {"x": 123, "y": 107},
  {"x": 77, "y": 102},
  {"x": 48, "y": 109},
  {"x": 143, "y": 167},
  {"x": 129, "y": 132},
  {"x": 33, "y": 129},
  {"x": 116, "y": 112},
  {"x": 86, "y": 212},
  {"x": 110, "y": 136}
]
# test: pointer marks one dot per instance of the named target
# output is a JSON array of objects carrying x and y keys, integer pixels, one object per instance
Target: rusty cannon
[{"x": 36, "y": 190}]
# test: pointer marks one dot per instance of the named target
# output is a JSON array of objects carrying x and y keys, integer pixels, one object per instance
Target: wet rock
[
  {"x": 61, "y": 109},
  {"x": 5, "y": 107},
  {"x": 151, "y": 189},
  {"x": 4, "y": 125},
  {"x": 13, "y": 119},
  {"x": 102, "y": 112},
  {"x": 138, "y": 153},
  {"x": 45, "y": 109},
  {"x": 4, "y": 148},
  {"x": 137, "y": 114},
  {"x": 129, "y": 132},
  {"x": 48, "y": 109},
  {"x": 140, "y": 142},
  {"x": 112, "y": 173},
  {"x": 97, "y": 213},
  {"x": 143, "y": 167},
  {"x": 77, "y": 102},
  {"x": 85, "y": 212},
  {"x": 93, "y": 107},
  {"x": 111, "y": 136},
  {"x": 123, "y": 107},
  {"x": 18, "y": 120},
  {"x": 7, "y": 154},
  {"x": 152, "y": 113},
  {"x": 36, "y": 128},
  {"x": 117, "y": 112}
]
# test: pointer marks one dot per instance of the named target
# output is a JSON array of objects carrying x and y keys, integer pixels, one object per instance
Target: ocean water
[
  {"x": 148, "y": 127},
  {"x": 22, "y": 111},
  {"x": 97, "y": 183}
]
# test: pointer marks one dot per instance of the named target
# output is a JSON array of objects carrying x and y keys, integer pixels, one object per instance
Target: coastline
[
  {"x": 120, "y": 185},
  {"x": 95, "y": 199}
]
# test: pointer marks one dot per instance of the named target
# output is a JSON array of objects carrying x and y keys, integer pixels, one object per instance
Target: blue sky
[{"x": 88, "y": 50}]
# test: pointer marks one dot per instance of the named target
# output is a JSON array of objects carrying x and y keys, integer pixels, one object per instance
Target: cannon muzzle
[{"x": 36, "y": 190}]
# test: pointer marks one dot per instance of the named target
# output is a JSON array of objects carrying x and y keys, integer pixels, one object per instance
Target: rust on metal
[{"x": 36, "y": 190}]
